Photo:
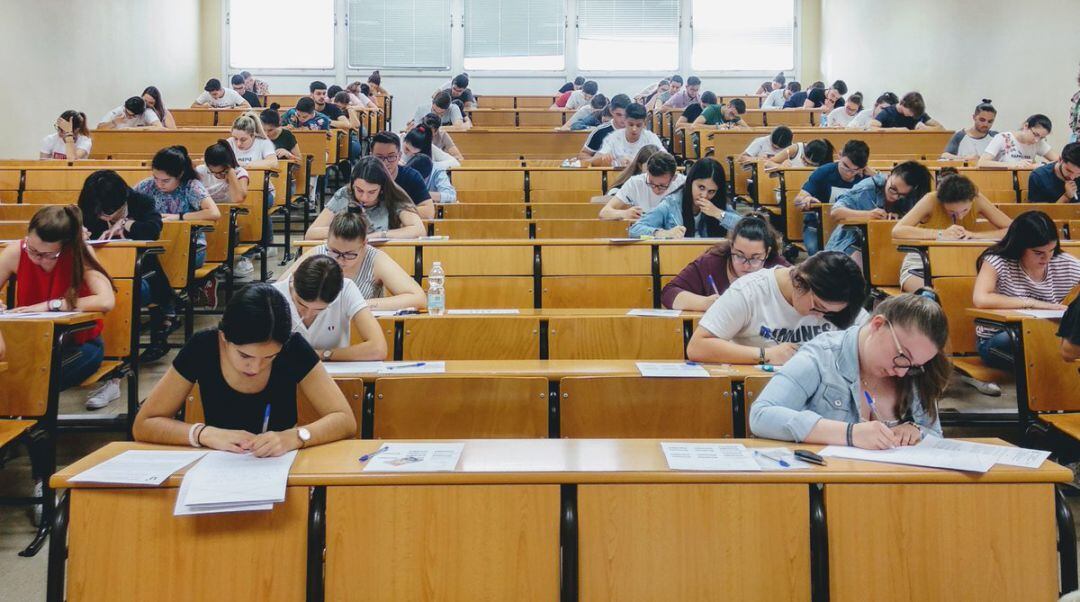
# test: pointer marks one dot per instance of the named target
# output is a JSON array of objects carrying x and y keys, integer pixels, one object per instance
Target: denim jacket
[
  {"x": 668, "y": 214},
  {"x": 820, "y": 381},
  {"x": 867, "y": 195}
]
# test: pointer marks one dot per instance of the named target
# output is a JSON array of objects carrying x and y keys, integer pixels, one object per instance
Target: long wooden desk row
[
  {"x": 288, "y": 101},
  {"x": 575, "y": 519},
  {"x": 371, "y": 121},
  {"x": 530, "y": 228},
  {"x": 524, "y": 101},
  {"x": 533, "y": 182}
]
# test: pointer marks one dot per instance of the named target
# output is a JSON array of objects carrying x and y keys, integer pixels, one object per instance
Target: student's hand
[
  {"x": 874, "y": 435},
  {"x": 709, "y": 209},
  {"x": 31, "y": 309},
  {"x": 226, "y": 439},
  {"x": 1070, "y": 189},
  {"x": 676, "y": 232},
  {"x": 283, "y": 154},
  {"x": 64, "y": 125},
  {"x": 954, "y": 232},
  {"x": 170, "y": 217},
  {"x": 778, "y": 355},
  {"x": 907, "y": 433},
  {"x": 633, "y": 213},
  {"x": 806, "y": 202},
  {"x": 879, "y": 213},
  {"x": 1026, "y": 164},
  {"x": 272, "y": 443},
  {"x": 1036, "y": 304}
]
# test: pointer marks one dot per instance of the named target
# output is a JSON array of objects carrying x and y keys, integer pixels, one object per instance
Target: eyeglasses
[
  {"x": 657, "y": 188},
  {"x": 750, "y": 261},
  {"x": 388, "y": 159},
  {"x": 902, "y": 361},
  {"x": 347, "y": 255},
  {"x": 846, "y": 169},
  {"x": 38, "y": 255}
]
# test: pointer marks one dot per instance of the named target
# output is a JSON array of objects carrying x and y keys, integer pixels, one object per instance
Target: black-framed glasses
[
  {"x": 347, "y": 255},
  {"x": 902, "y": 361},
  {"x": 750, "y": 261}
]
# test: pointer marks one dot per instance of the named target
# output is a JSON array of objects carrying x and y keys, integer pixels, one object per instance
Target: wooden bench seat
[
  {"x": 12, "y": 429},
  {"x": 107, "y": 366}
]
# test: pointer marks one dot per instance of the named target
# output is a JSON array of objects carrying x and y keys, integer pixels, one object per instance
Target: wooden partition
[{"x": 494, "y": 143}]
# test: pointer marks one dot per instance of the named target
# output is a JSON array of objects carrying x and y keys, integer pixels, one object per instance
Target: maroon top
[{"x": 694, "y": 277}]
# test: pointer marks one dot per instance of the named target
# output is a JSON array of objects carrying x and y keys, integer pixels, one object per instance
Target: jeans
[
  {"x": 78, "y": 362},
  {"x": 810, "y": 227},
  {"x": 157, "y": 290},
  {"x": 996, "y": 351}
]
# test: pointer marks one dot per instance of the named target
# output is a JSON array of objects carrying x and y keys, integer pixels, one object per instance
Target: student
[
  {"x": 566, "y": 91},
  {"x": 765, "y": 147},
  {"x": 694, "y": 210},
  {"x": 178, "y": 194},
  {"x": 250, "y": 144},
  {"x": 641, "y": 193},
  {"x": 763, "y": 317},
  {"x": 55, "y": 270},
  {"x": 587, "y": 116},
  {"x": 337, "y": 118},
  {"x": 152, "y": 97},
  {"x": 215, "y": 96},
  {"x": 818, "y": 97},
  {"x": 595, "y": 141},
  {"x": 1069, "y": 332},
  {"x": 460, "y": 94},
  {"x": 694, "y": 110},
  {"x": 777, "y": 98},
  {"x": 764, "y": 89},
  {"x": 751, "y": 245},
  {"x": 970, "y": 143},
  {"x": 1026, "y": 270},
  {"x": 810, "y": 154},
  {"x": 305, "y": 117},
  {"x": 252, "y": 361},
  {"x": 634, "y": 168},
  {"x": 1020, "y": 148},
  {"x": 828, "y": 182},
  {"x": 909, "y": 114},
  {"x": 949, "y": 213},
  {"x": 645, "y": 96},
  {"x": 326, "y": 308},
  {"x": 375, "y": 83},
  {"x": 675, "y": 84},
  {"x": 221, "y": 174},
  {"x": 447, "y": 111},
  {"x": 863, "y": 119},
  {"x": 420, "y": 141},
  {"x": 881, "y": 196},
  {"x": 111, "y": 209},
  {"x": 71, "y": 140},
  {"x": 386, "y": 148},
  {"x": 382, "y": 282},
  {"x": 724, "y": 116},
  {"x": 580, "y": 98},
  {"x": 441, "y": 139},
  {"x": 131, "y": 114},
  {"x": 358, "y": 98},
  {"x": 1057, "y": 182},
  {"x": 259, "y": 87},
  {"x": 841, "y": 116},
  {"x": 372, "y": 191},
  {"x": 438, "y": 183},
  {"x": 687, "y": 96},
  {"x": 799, "y": 100},
  {"x": 285, "y": 144},
  {"x": 240, "y": 88},
  {"x": 897, "y": 358},
  {"x": 620, "y": 146}
]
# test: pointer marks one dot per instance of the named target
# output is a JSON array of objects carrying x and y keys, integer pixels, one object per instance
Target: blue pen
[
  {"x": 780, "y": 461},
  {"x": 414, "y": 365},
  {"x": 366, "y": 457},
  {"x": 870, "y": 402},
  {"x": 712, "y": 283},
  {"x": 266, "y": 418},
  {"x": 767, "y": 368}
]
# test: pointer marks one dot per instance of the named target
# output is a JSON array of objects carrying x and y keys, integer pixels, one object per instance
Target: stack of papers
[
  {"x": 36, "y": 315},
  {"x": 709, "y": 456},
  {"x": 138, "y": 467},
  {"x": 338, "y": 368},
  {"x": 483, "y": 312},
  {"x": 1050, "y": 314},
  {"x": 672, "y": 370},
  {"x": 415, "y": 457},
  {"x": 655, "y": 313},
  {"x": 386, "y": 313},
  {"x": 935, "y": 452},
  {"x": 228, "y": 482}
]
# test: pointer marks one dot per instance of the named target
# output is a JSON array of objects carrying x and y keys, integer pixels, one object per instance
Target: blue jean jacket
[
  {"x": 820, "y": 381},
  {"x": 867, "y": 195},
  {"x": 668, "y": 214}
]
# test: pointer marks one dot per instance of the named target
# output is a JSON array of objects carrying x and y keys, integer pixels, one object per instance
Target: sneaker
[
  {"x": 986, "y": 388},
  {"x": 243, "y": 268},
  {"x": 271, "y": 252},
  {"x": 154, "y": 352},
  {"x": 106, "y": 394},
  {"x": 206, "y": 295},
  {"x": 36, "y": 510}
]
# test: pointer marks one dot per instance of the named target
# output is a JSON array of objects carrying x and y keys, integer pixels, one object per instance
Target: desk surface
[
  {"x": 555, "y": 312},
  {"x": 556, "y": 369},
  {"x": 72, "y": 320},
  {"x": 981, "y": 242},
  {"x": 532, "y": 242},
  {"x": 531, "y": 461},
  {"x": 3, "y": 366},
  {"x": 1003, "y": 316}
]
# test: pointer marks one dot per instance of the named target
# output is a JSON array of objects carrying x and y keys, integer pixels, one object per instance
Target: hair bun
[
  {"x": 275, "y": 106},
  {"x": 987, "y": 101}
]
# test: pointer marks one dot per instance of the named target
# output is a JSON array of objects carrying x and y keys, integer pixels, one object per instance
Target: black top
[
  {"x": 141, "y": 209},
  {"x": 889, "y": 117},
  {"x": 252, "y": 99},
  {"x": 596, "y": 138},
  {"x": 412, "y": 183},
  {"x": 1070, "y": 323},
  {"x": 285, "y": 140},
  {"x": 200, "y": 362},
  {"x": 332, "y": 111},
  {"x": 692, "y": 111}
]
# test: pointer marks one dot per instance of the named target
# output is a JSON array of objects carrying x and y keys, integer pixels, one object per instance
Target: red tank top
[{"x": 35, "y": 285}]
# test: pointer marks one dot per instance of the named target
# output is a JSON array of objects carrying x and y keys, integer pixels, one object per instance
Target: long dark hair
[
  {"x": 705, "y": 169},
  {"x": 257, "y": 314},
  {"x": 63, "y": 224},
  {"x": 318, "y": 278},
  {"x": 420, "y": 138},
  {"x": 175, "y": 161},
  {"x": 833, "y": 276},
  {"x": 370, "y": 169},
  {"x": 159, "y": 105},
  {"x": 926, "y": 316},
  {"x": 1030, "y": 229},
  {"x": 103, "y": 191},
  {"x": 220, "y": 154}
]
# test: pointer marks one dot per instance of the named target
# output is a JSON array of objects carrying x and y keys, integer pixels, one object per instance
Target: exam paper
[
  {"x": 1055, "y": 314},
  {"x": 655, "y": 313},
  {"x": 483, "y": 312},
  {"x": 709, "y": 456},
  {"x": 416, "y": 457},
  {"x": 671, "y": 370},
  {"x": 183, "y": 510},
  {"x": 1000, "y": 454},
  {"x": 337, "y": 368},
  {"x": 37, "y": 315},
  {"x": 138, "y": 467},
  {"x": 913, "y": 456},
  {"x": 768, "y": 458},
  {"x": 413, "y": 368},
  {"x": 228, "y": 478}
]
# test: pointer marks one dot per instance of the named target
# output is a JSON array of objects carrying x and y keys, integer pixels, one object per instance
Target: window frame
[
  {"x": 226, "y": 58},
  {"x": 568, "y": 5},
  {"x": 452, "y": 52}
]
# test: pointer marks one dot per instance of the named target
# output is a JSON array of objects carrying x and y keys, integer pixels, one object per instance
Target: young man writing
[
  {"x": 621, "y": 146},
  {"x": 217, "y": 97}
]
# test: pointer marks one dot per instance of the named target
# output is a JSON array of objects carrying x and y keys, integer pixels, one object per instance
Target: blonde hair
[{"x": 249, "y": 122}]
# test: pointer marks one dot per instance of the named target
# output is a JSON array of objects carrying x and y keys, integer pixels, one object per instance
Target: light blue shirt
[
  {"x": 867, "y": 195},
  {"x": 668, "y": 214},
  {"x": 820, "y": 381},
  {"x": 440, "y": 182}
]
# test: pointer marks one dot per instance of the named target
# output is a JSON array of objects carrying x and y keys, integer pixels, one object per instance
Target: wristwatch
[
  {"x": 305, "y": 436},
  {"x": 56, "y": 304},
  {"x": 326, "y": 354}
]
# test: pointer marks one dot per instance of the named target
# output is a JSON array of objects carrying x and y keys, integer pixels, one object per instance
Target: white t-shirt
[
  {"x": 754, "y": 301},
  {"x": 53, "y": 145},
  {"x": 623, "y": 152},
  {"x": 862, "y": 120},
  {"x": 1005, "y": 147},
  {"x": 775, "y": 100},
  {"x": 973, "y": 147},
  {"x": 218, "y": 189},
  {"x": 839, "y": 118},
  {"x": 148, "y": 117},
  {"x": 636, "y": 192},
  {"x": 799, "y": 159},
  {"x": 230, "y": 99},
  {"x": 577, "y": 100},
  {"x": 761, "y": 147},
  {"x": 260, "y": 149},
  {"x": 331, "y": 328}
]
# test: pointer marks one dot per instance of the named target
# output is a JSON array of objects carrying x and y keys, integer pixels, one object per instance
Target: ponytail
[
  {"x": 64, "y": 224},
  {"x": 174, "y": 160},
  {"x": 251, "y": 123}
]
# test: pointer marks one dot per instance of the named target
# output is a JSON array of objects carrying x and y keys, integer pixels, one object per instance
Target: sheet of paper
[
  {"x": 228, "y": 478},
  {"x": 36, "y": 315},
  {"x": 627, "y": 240},
  {"x": 671, "y": 370},
  {"x": 180, "y": 509},
  {"x": 709, "y": 456},
  {"x": 769, "y": 458},
  {"x": 913, "y": 456},
  {"x": 416, "y": 457},
  {"x": 138, "y": 467},
  {"x": 337, "y": 368},
  {"x": 655, "y": 313},
  {"x": 105, "y": 242},
  {"x": 413, "y": 368},
  {"x": 1000, "y": 454},
  {"x": 1052, "y": 314},
  {"x": 483, "y": 312}
]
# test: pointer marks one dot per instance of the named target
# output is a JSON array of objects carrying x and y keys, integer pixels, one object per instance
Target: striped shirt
[
  {"x": 365, "y": 276},
  {"x": 1062, "y": 275}
]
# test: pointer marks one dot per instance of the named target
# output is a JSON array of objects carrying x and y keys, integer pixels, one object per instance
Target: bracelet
[
  {"x": 198, "y": 435},
  {"x": 761, "y": 355},
  {"x": 850, "y": 441},
  {"x": 192, "y": 440}
]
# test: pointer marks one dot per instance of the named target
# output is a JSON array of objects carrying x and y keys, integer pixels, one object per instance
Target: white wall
[
  {"x": 91, "y": 56},
  {"x": 1023, "y": 56}
]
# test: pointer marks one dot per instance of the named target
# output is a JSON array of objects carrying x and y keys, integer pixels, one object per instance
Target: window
[
  {"x": 256, "y": 26},
  {"x": 399, "y": 34},
  {"x": 514, "y": 34},
  {"x": 628, "y": 35},
  {"x": 736, "y": 35}
]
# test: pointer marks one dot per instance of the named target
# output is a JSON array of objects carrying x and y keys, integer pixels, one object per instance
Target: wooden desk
[
  {"x": 957, "y": 257},
  {"x": 626, "y": 526}
]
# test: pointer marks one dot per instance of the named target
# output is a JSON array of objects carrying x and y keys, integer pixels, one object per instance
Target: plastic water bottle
[{"x": 436, "y": 295}]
